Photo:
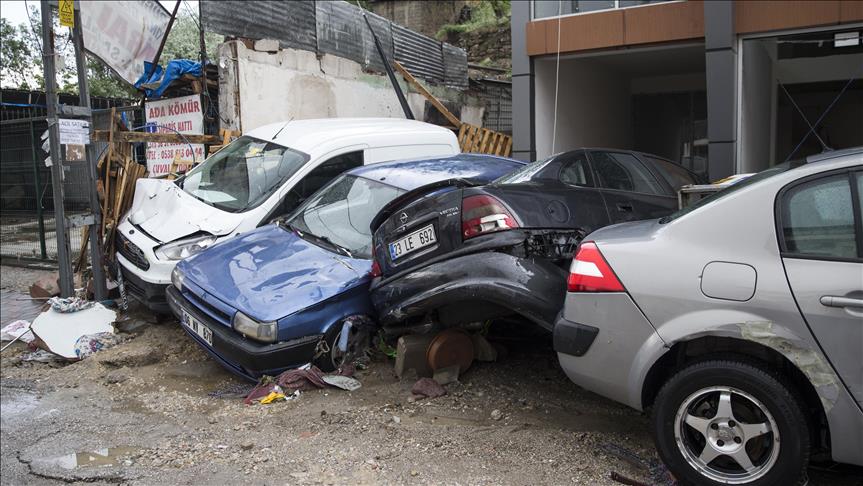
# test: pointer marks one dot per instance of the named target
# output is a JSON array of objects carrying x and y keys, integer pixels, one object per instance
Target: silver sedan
[{"x": 738, "y": 321}]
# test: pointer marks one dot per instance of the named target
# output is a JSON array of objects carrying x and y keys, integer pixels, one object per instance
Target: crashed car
[
  {"x": 459, "y": 255},
  {"x": 296, "y": 291},
  {"x": 262, "y": 175},
  {"x": 747, "y": 348}
]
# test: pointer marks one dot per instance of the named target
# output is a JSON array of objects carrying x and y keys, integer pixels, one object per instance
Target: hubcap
[{"x": 727, "y": 435}]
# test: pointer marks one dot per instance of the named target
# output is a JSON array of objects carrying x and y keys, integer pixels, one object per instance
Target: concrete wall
[
  {"x": 758, "y": 103},
  {"x": 594, "y": 107},
  {"x": 258, "y": 88}
]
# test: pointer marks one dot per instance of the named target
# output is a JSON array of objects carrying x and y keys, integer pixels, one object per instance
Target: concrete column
[
  {"x": 721, "y": 58},
  {"x": 523, "y": 144}
]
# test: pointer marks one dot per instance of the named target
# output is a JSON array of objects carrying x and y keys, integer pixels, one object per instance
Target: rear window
[
  {"x": 675, "y": 175},
  {"x": 765, "y": 174}
]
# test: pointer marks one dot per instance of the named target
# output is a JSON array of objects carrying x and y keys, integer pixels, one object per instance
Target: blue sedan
[{"x": 296, "y": 291}]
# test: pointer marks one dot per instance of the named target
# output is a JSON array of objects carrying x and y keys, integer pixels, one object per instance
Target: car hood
[
  {"x": 270, "y": 273},
  {"x": 168, "y": 213}
]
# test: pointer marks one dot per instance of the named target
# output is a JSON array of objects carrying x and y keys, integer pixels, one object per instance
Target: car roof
[
  {"x": 832, "y": 154},
  {"x": 410, "y": 174},
  {"x": 305, "y": 135}
]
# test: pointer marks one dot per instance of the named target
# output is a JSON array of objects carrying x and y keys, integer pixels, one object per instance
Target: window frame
[
  {"x": 665, "y": 189},
  {"x": 778, "y": 203},
  {"x": 591, "y": 182}
]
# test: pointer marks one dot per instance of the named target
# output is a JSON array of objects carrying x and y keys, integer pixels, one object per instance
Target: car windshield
[
  {"x": 243, "y": 174},
  {"x": 340, "y": 213},
  {"x": 765, "y": 174},
  {"x": 524, "y": 174}
]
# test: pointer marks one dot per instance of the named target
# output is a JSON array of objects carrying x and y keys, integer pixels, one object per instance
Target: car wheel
[
  {"x": 728, "y": 422},
  {"x": 332, "y": 356}
]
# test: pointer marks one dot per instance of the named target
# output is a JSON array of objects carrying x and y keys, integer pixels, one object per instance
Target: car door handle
[
  {"x": 837, "y": 301},
  {"x": 624, "y": 208}
]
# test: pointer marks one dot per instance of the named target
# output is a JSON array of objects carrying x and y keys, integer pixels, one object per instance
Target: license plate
[
  {"x": 198, "y": 328},
  {"x": 420, "y": 238}
]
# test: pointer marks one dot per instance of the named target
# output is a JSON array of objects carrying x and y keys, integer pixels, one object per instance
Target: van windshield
[{"x": 243, "y": 174}]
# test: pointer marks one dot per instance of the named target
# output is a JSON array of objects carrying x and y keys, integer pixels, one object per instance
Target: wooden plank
[
  {"x": 486, "y": 138},
  {"x": 495, "y": 146},
  {"x": 507, "y": 150},
  {"x": 102, "y": 136},
  {"x": 434, "y": 101},
  {"x": 82, "y": 257},
  {"x": 461, "y": 133}
]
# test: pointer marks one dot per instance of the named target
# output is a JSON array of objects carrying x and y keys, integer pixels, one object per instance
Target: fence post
[
  {"x": 38, "y": 184},
  {"x": 67, "y": 286}
]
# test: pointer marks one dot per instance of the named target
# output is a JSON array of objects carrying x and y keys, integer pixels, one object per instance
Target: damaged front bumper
[
  {"x": 239, "y": 355},
  {"x": 473, "y": 287}
]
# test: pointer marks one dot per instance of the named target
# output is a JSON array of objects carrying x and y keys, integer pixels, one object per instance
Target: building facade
[{"x": 723, "y": 87}]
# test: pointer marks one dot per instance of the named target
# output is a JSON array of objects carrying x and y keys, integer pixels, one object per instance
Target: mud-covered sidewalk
[{"x": 143, "y": 412}]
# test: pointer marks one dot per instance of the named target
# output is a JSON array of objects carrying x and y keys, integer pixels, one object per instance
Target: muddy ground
[{"x": 142, "y": 413}]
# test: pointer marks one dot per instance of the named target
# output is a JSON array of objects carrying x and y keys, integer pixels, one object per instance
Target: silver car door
[{"x": 821, "y": 238}]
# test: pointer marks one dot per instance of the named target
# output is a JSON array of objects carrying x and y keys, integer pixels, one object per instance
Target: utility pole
[
  {"x": 51, "y": 101},
  {"x": 100, "y": 291}
]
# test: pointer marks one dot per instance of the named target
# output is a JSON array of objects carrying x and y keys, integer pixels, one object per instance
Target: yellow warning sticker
[{"x": 67, "y": 13}]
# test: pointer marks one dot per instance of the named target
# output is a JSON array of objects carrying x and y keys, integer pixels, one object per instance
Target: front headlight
[
  {"x": 177, "y": 278},
  {"x": 181, "y": 249},
  {"x": 259, "y": 331}
]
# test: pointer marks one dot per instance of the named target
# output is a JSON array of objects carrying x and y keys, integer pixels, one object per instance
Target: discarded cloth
[
  {"x": 343, "y": 382},
  {"x": 93, "y": 343},
  {"x": 19, "y": 330},
  {"x": 41, "y": 356},
  {"x": 428, "y": 388},
  {"x": 69, "y": 304},
  {"x": 306, "y": 378}
]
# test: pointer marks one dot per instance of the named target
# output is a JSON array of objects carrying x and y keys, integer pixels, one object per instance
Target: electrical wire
[
  {"x": 818, "y": 122},
  {"x": 556, "y": 79},
  {"x": 33, "y": 29}
]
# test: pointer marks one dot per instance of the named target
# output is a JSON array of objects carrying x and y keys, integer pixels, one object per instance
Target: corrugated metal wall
[{"x": 336, "y": 27}]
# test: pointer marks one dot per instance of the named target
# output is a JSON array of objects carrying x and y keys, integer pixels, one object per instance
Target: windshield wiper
[{"x": 322, "y": 239}]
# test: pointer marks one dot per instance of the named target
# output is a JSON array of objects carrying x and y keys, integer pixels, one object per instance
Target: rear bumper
[
  {"x": 532, "y": 288},
  {"x": 239, "y": 355},
  {"x": 571, "y": 337}
]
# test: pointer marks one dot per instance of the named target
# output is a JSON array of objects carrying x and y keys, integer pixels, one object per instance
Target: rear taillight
[
  {"x": 590, "y": 272},
  {"x": 376, "y": 269},
  {"x": 483, "y": 214}
]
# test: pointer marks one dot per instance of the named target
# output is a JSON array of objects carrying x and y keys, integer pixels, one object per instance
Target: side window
[
  {"x": 575, "y": 171},
  {"x": 818, "y": 218},
  {"x": 326, "y": 172},
  {"x": 675, "y": 175},
  {"x": 318, "y": 178},
  {"x": 623, "y": 172}
]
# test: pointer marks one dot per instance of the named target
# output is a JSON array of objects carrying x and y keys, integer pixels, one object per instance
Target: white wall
[
  {"x": 594, "y": 107},
  {"x": 258, "y": 88},
  {"x": 757, "y": 106}
]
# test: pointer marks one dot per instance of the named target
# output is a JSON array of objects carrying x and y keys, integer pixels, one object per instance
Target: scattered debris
[
  {"x": 496, "y": 414},
  {"x": 41, "y": 356},
  {"x": 344, "y": 382},
  {"x": 427, "y": 388},
  {"x": 301, "y": 379},
  {"x": 658, "y": 473},
  {"x": 620, "y": 478},
  {"x": 46, "y": 287},
  {"x": 93, "y": 343},
  {"x": 66, "y": 305},
  {"x": 17, "y": 331},
  {"x": 447, "y": 375},
  {"x": 59, "y": 332},
  {"x": 411, "y": 354}
]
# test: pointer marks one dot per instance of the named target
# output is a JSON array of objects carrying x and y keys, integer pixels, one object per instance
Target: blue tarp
[{"x": 165, "y": 77}]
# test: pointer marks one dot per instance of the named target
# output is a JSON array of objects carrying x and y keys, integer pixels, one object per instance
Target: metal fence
[{"x": 27, "y": 226}]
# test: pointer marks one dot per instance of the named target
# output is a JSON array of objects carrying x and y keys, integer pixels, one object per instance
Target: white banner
[
  {"x": 124, "y": 34},
  {"x": 174, "y": 115}
]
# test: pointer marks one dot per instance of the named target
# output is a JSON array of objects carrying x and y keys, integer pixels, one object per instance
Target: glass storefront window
[{"x": 553, "y": 8}]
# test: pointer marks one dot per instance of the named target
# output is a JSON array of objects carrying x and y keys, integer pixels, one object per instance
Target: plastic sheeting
[{"x": 175, "y": 69}]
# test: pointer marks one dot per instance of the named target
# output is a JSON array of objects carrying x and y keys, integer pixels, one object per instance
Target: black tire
[{"x": 779, "y": 398}]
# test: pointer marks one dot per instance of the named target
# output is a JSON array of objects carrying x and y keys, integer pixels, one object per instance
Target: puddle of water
[{"x": 100, "y": 457}]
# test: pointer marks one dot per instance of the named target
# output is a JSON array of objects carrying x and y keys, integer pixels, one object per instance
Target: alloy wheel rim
[{"x": 727, "y": 435}]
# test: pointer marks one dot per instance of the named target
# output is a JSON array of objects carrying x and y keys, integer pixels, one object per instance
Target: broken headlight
[
  {"x": 181, "y": 249},
  {"x": 259, "y": 331},
  {"x": 177, "y": 279}
]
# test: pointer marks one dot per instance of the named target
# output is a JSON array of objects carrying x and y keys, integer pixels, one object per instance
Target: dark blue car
[{"x": 296, "y": 291}]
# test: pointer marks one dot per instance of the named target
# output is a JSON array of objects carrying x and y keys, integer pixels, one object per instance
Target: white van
[{"x": 264, "y": 174}]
